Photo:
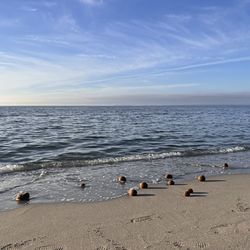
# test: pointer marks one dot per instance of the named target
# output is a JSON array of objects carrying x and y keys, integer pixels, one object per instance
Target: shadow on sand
[
  {"x": 215, "y": 180},
  {"x": 199, "y": 194},
  {"x": 145, "y": 195},
  {"x": 157, "y": 187}
]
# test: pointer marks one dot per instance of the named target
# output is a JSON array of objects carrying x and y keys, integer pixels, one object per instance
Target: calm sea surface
[{"x": 49, "y": 150}]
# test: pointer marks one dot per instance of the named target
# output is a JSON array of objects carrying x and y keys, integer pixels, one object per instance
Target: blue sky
[{"x": 122, "y": 52}]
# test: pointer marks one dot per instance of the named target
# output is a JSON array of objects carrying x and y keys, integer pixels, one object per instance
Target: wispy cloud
[
  {"x": 92, "y": 2},
  {"x": 29, "y": 9},
  {"x": 136, "y": 55},
  {"x": 47, "y": 4},
  {"x": 67, "y": 23}
]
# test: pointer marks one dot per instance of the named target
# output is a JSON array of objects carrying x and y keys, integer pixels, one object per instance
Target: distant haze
[{"x": 116, "y": 52}]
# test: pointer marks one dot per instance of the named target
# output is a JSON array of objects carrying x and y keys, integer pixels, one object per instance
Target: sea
[{"x": 50, "y": 151}]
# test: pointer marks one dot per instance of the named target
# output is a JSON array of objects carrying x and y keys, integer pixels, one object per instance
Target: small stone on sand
[
  {"x": 132, "y": 192},
  {"x": 143, "y": 185},
  {"x": 171, "y": 182},
  {"x": 201, "y": 178}
]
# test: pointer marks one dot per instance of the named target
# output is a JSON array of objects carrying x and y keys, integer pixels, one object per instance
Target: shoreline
[
  {"x": 217, "y": 216},
  {"x": 60, "y": 185},
  {"x": 179, "y": 181}
]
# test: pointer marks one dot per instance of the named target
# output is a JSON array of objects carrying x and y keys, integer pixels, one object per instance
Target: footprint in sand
[
  {"x": 16, "y": 245},
  {"x": 242, "y": 227},
  {"x": 141, "y": 219},
  {"x": 102, "y": 248},
  {"x": 106, "y": 244},
  {"x": 49, "y": 247},
  {"x": 202, "y": 245},
  {"x": 6, "y": 247},
  {"x": 241, "y": 206},
  {"x": 98, "y": 232},
  {"x": 21, "y": 244},
  {"x": 144, "y": 218},
  {"x": 27, "y": 243},
  {"x": 177, "y": 244},
  {"x": 223, "y": 228}
]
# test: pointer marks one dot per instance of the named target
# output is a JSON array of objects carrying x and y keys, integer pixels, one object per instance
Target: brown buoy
[
  {"x": 187, "y": 193},
  {"x": 171, "y": 182},
  {"x": 23, "y": 196},
  {"x": 122, "y": 179},
  {"x": 83, "y": 185},
  {"x": 201, "y": 178},
  {"x": 169, "y": 176},
  {"x": 132, "y": 192},
  {"x": 190, "y": 190},
  {"x": 143, "y": 185},
  {"x": 226, "y": 165}
]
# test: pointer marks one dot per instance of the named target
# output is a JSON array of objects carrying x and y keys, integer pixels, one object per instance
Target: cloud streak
[
  {"x": 92, "y": 2},
  {"x": 29, "y": 9}
]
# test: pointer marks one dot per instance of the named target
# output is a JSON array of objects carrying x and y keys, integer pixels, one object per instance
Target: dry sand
[{"x": 217, "y": 216}]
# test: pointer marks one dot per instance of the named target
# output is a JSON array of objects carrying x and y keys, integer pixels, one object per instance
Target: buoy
[
  {"x": 187, "y": 193},
  {"x": 83, "y": 185},
  {"x": 23, "y": 196},
  {"x": 226, "y": 165},
  {"x": 169, "y": 176},
  {"x": 201, "y": 178},
  {"x": 143, "y": 185},
  {"x": 132, "y": 192},
  {"x": 122, "y": 179},
  {"x": 190, "y": 190},
  {"x": 171, "y": 182}
]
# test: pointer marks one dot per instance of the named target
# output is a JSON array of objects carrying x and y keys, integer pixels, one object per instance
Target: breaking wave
[{"x": 4, "y": 169}]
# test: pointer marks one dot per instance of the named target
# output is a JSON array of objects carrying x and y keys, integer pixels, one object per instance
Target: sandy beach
[{"x": 216, "y": 216}]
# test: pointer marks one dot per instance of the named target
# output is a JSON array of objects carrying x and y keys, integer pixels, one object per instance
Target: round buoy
[
  {"x": 83, "y": 185},
  {"x": 171, "y": 182},
  {"x": 187, "y": 193},
  {"x": 132, "y": 192},
  {"x": 190, "y": 190},
  {"x": 121, "y": 179},
  {"x": 169, "y": 176},
  {"x": 201, "y": 178},
  {"x": 23, "y": 196},
  {"x": 143, "y": 185}
]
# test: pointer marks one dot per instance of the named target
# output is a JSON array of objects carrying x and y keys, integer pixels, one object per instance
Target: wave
[
  {"x": 5, "y": 169},
  {"x": 233, "y": 149}
]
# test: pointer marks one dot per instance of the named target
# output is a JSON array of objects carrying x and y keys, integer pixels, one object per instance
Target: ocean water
[{"x": 48, "y": 151}]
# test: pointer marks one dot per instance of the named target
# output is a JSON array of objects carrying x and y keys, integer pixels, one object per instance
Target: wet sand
[{"x": 216, "y": 216}]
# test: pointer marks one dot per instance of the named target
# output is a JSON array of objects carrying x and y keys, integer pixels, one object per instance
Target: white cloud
[
  {"x": 29, "y": 9},
  {"x": 47, "y": 4},
  {"x": 92, "y": 2},
  {"x": 68, "y": 23}
]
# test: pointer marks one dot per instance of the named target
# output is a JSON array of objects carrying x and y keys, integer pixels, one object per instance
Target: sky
[{"x": 124, "y": 52}]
